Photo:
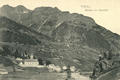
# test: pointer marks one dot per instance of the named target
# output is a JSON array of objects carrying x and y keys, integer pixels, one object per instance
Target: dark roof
[{"x": 30, "y": 60}]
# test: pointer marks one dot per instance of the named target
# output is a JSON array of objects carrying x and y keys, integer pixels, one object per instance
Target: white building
[
  {"x": 64, "y": 67},
  {"x": 19, "y": 59},
  {"x": 54, "y": 68},
  {"x": 51, "y": 66},
  {"x": 29, "y": 62},
  {"x": 3, "y": 71},
  {"x": 57, "y": 68},
  {"x": 40, "y": 66},
  {"x": 72, "y": 68}
]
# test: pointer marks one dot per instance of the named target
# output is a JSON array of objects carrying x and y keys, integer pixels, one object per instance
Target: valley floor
[{"x": 41, "y": 76}]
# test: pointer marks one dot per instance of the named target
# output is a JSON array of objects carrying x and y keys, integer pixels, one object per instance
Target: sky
[{"x": 105, "y": 12}]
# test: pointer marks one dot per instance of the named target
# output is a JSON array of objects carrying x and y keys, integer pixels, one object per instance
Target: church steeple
[{"x": 31, "y": 57}]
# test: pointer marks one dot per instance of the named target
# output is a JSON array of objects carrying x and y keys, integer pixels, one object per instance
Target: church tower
[{"x": 31, "y": 57}]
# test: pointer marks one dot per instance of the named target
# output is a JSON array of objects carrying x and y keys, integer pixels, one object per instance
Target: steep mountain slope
[
  {"x": 113, "y": 74},
  {"x": 78, "y": 28},
  {"x": 71, "y": 33},
  {"x": 46, "y": 19},
  {"x": 11, "y": 31},
  {"x": 43, "y": 19},
  {"x": 112, "y": 38}
]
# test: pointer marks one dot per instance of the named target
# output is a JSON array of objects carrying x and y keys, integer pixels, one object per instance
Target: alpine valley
[{"x": 59, "y": 36}]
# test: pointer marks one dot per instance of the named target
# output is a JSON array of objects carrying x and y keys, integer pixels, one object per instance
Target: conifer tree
[{"x": 68, "y": 72}]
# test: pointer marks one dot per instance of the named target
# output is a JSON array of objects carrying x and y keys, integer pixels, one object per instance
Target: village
[
  {"x": 31, "y": 66},
  {"x": 35, "y": 63},
  {"x": 15, "y": 63}
]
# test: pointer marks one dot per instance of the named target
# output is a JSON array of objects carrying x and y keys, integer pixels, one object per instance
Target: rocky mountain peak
[
  {"x": 47, "y": 9},
  {"x": 7, "y": 8},
  {"x": 21, "y": 9}
]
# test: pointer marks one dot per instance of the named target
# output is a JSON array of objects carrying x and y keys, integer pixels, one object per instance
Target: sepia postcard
[{"x": 59, "y": 40}]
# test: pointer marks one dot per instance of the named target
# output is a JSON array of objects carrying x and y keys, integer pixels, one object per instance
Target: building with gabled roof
[{"x": 29, "y": 62}]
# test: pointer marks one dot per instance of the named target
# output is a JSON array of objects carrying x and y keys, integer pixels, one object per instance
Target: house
[
  {"x": 51, "y": 66},
  {"x": 29, "y": 62},
  {"x": 57, "y": 68},
  {"x": 64, "y": 68},
  {"x": 3, "y": 70},
  {"x": 40, "y": 66},
  {"x": 19, "y": 59},
  {"x": 72, "y": 68}
]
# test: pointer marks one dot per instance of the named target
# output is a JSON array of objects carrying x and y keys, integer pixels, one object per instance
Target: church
[{"x": 29, "y": 62}]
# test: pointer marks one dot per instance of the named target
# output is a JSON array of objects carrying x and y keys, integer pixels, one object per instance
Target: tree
[
  {"x": 17, "y": 54},
  {"x": 28, "y": 57},
  {"x": 93, "y": 74},
  {"x": 34, "y": 57},
  {"x": 104, "y": 55},
  {"x": 110, "y": 55},
  {"x": 23, "y": 56},
  {"x": 100, "y": 66},
  {"x": 1, "y": 50},
  {"x": 48, "y": 62},
  {"x": 12, "y": 52},
  {"x": 68, "y": 72},
  {"x": 6, "y": 50},
  {"x": 25, "y": 52},
  {"x": 13, "y": 68},
  {"x": 40, "y": 61},
  {"x": 100, "y": 58}
]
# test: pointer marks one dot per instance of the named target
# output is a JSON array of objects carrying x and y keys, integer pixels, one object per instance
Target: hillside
[
  {"x": 5, "y": 61},
  {"x": 11, "y": 31},
  {"x": 112, "y": 74},
  {"x": 71, "y": 33}
]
